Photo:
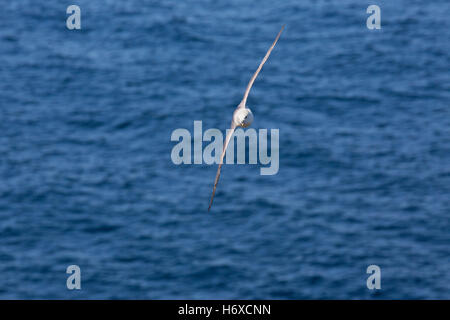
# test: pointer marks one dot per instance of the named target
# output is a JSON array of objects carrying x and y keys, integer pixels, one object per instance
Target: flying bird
[{"x": 242, "y": 116}]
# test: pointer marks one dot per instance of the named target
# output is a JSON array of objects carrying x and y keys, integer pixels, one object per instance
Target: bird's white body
[{"x": 243, "y": 117}]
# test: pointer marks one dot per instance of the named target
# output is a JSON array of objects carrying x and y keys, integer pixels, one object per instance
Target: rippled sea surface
[{"x": 87, "y": 178}]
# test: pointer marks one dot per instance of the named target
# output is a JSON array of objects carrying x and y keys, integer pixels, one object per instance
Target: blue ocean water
[{"x": 87, "y": 178}]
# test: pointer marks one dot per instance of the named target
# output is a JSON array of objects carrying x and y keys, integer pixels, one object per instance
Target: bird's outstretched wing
[
  {"x": 250, "y": 84},
  {"x": 227, "y": 141}
]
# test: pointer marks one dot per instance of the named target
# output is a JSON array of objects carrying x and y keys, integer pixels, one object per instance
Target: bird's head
[{"x": 243, "y": 117}]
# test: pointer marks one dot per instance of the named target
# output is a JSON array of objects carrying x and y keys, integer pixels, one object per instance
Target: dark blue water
[{"x": 87, "y": 179}]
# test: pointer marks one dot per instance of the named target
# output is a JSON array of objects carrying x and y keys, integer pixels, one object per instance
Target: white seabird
[{"x": 242, "y": 116}]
